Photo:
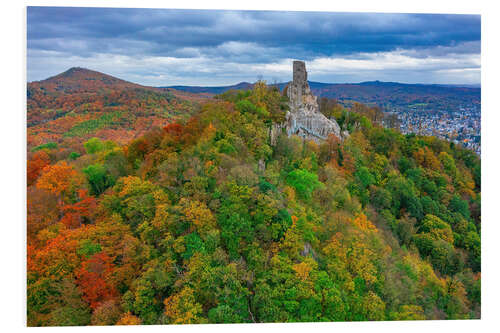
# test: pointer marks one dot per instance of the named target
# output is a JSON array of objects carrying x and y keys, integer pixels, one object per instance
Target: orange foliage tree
[
  {"x": 78, "y": 213},
  {"x": 60, "y": 179},
  {"x": 92, "y": 278},
  {"x": 36, "y": 164}
]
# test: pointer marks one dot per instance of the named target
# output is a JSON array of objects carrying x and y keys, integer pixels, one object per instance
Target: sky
[{"x": 163, "y": 47}]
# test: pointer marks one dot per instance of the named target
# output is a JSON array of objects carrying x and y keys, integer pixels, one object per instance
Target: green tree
[
  {"x": 304, "y": 182},
  {"x": 93, "y": 145},
  {"x": 98, "y": 178}
]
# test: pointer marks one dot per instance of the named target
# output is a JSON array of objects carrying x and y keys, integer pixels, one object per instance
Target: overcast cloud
[{"x": 163, "y": 47}]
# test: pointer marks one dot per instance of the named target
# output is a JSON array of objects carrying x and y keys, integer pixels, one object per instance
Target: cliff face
[{"x": 304, "y": 118}]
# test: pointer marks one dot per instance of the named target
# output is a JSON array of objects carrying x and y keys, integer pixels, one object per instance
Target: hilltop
[{"x": 82, "y": 80}]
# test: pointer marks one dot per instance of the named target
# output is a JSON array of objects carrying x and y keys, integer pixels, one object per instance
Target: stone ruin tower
[
  {"x": 304, "y": 118},
  {"x": 299, "y": 72}
]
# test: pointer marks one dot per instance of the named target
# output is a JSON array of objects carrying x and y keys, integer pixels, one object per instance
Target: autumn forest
[{"x": 157, "y": 206}]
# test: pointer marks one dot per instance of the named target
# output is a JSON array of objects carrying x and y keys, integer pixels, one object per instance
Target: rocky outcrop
[
  {"x": 275, "y": 130},
  {"x": 304, "y": 118}
]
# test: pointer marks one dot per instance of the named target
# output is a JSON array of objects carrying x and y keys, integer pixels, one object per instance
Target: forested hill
[
  {"x": 204, "y": 221},
  {"x": 82, "y": 103},
  {"x": 383, "y": 94}
]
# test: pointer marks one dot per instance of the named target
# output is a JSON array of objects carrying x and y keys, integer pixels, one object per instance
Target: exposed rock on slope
[{"x": 304, "y": 118}]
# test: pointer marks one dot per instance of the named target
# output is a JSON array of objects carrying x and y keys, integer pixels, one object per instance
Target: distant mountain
[
  {"x": 478, "y": 85},
  {"x": 212, "y": 90},
  {"x": 396, "y": 95},
  {"x": 384, "y": 94}
]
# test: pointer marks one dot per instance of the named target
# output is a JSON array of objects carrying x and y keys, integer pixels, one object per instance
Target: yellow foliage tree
[
  {"x": 302, "y": 270},
  {"x": 182, "y": 308},
  {"x": 362, "y": 222},
  {"x": 129, "y": 319},
  {"x": 198, "y": 214}
]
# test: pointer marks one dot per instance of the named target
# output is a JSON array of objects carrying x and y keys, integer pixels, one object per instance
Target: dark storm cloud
[
  {"x": 246, "y": 37},
  {"x": 313, "y": 33}
]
